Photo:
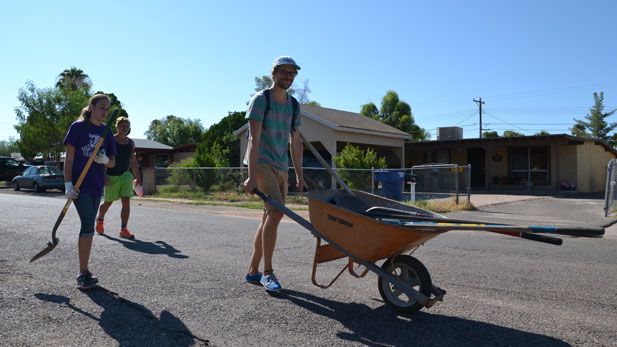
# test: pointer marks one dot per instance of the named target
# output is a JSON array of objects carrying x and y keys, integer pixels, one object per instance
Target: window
[
  {"x": 161, "y": 160},
  {"x": 11, "y": 163},
  {"x": 441, "y": 156},
  {"x": 530, "y": 164}
]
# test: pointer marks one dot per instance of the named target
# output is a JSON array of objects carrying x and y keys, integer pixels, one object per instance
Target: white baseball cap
[{"x": 285, "y": 60}]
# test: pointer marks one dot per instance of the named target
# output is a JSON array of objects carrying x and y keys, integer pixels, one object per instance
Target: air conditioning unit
[{"x": 449, "y": 133}]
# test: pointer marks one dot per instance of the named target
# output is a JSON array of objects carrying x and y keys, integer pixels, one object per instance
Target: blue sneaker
[
  {"x": 253, "y": 278},
  {"x": 270, "y": 283}
]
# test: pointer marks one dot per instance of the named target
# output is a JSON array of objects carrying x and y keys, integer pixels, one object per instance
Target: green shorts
[{"x": 119, "y": 186}]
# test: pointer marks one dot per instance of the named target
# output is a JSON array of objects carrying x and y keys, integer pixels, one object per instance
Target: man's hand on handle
[
  {"x": 249, "y": 185},
  {"x": 301, "y": 185}
]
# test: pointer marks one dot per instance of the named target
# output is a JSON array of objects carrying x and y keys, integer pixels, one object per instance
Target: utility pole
[{"x": 480, "y": 102}]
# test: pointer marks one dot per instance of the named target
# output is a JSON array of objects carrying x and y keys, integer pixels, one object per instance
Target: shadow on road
[
  {"x": 157, "y": 247},
  {"x": 129, "y": 323},
  {"x": 383, "y": 326}
]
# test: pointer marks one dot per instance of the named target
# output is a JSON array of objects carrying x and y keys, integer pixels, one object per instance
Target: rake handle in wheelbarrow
[
  {"x": 394, "y": 214},
  {"x": 420, "y": 298}
]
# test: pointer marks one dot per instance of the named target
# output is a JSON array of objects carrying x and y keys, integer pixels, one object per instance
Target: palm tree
[{"x": 74, "y": 78}]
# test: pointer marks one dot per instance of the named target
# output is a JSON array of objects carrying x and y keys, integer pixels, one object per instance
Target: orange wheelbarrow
[
  {"x": 367, "y": 228},
  {"x": 404, "y": 283}
]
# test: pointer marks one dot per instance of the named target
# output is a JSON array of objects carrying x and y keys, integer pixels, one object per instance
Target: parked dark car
[
  {"x": 10, "y": 168},
  {"x": 40, "y": 178}
]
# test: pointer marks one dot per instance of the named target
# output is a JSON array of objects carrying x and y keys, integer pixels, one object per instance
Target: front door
[{"x": 477, "y": 158}]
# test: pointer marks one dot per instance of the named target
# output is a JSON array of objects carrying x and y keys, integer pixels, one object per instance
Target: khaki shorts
[{"x": 273, "y": 183}]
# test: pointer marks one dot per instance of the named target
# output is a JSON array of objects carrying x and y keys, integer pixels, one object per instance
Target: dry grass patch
[{"x": 445, "y": 205}]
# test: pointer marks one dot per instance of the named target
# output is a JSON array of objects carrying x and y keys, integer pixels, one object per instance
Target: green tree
[
  {"x": 302, "y": 93},
  {"x": 174, "y": 131},
  {"x": 312, "y": 103},
  {"x": 579, "y": 130},
  {"x": 370, "y": 110},
  {"x": 8, "y": 147},
  {"x": 397, "y": 114},
  {"x": 542, "y": 133},
  {"x": 262, "y": 83},
  {"x": 220, "y": 143},
  {"x": 353, "y": 157},
  {"x": 44, "y": 118},
  {"x": 202, "y": 178},
  {"x": 490, "y": 134},
  {"x": 596, "y": 124},
  {"x": 205, "y": 178},
  {"x": 511, "y": 133},
  {"x": 73, "y": 78}
]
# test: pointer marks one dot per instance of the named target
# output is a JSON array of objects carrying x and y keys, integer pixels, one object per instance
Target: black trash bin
[{"x": 391, "y": 183}]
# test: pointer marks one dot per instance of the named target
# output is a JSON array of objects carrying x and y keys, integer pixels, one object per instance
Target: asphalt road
[{"x": 181, "y": 283}]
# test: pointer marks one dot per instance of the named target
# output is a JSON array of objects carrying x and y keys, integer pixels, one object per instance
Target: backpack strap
[
  {"x": 267, "y": 95},
  {"x": 296, "y": 111}
]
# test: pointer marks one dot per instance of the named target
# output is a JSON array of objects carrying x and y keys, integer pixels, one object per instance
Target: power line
[{"x": 516, "y": 126}]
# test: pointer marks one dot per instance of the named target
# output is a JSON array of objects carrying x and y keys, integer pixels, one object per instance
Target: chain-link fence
[
  {"x": 610, "y": 193},
  {"x": 431, "y": 181},
  {"x": 231, "y": 178},
  {"x": 441, "y": 181}
]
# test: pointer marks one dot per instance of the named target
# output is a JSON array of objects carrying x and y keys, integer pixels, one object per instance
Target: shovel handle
[{"x": 542, "y": 238}]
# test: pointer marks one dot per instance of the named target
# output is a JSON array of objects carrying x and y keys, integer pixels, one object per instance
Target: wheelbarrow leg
[{"x": 322, "y": 255}]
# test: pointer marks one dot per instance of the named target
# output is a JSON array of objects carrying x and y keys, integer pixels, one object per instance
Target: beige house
[
  {"x": 329, "y": 130},
  {"x": 543, "y": 162}
]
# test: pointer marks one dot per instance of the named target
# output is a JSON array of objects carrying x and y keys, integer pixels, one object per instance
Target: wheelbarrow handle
[
  {"x": 323, "y": 162},
  {"x": 260, "y": 194}
]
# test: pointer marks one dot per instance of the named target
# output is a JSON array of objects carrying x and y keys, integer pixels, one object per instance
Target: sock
[
  {"x": 101, "y": 219},
  {"x": 122, "y": 226}
]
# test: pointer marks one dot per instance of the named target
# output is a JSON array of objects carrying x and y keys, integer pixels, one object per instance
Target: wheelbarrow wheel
[{"x": 410, "y": 271}]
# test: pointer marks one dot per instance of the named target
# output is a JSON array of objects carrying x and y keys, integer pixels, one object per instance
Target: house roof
[
  {"x": 145, "y": 144},
  {"x": 514, "y": 140},
  {"x": 345, "y": 121}
]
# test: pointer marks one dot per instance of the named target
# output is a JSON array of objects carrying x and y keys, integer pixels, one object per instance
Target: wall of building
[
  {"x": 147, "y": 180},
  {"x": 458, "y": 156},
  {"x": 592, "y": 163}
]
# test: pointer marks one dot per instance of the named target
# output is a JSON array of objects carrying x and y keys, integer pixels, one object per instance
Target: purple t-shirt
[{"x": 84, "y": 138}]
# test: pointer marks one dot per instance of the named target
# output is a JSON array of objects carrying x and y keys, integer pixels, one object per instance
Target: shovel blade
[{"x": 49, "y": 248}]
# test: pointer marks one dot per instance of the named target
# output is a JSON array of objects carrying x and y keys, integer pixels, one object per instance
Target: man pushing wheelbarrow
[{"x": 269, "y": 111}]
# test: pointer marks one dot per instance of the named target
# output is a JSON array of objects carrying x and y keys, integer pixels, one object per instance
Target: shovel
[{"x": 54, "y": 240}]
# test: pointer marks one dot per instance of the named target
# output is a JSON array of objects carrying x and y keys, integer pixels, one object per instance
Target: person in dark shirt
[{"x": 119, "y": 180}]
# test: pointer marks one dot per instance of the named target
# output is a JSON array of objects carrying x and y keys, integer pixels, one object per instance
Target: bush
[
  {"x": 354, "y": 158},
  {"x": 180, "y": 178},
  {"x": 205, "y": 178}
]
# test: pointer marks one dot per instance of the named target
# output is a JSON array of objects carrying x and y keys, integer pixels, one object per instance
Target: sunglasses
[{"x": 287, "y": 73}]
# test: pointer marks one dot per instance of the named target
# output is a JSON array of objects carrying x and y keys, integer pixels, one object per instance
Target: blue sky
[{"x": 535, "y": 63}]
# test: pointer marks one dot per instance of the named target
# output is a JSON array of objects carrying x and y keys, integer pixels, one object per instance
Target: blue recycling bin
[{"x": 391, "y": 183}]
